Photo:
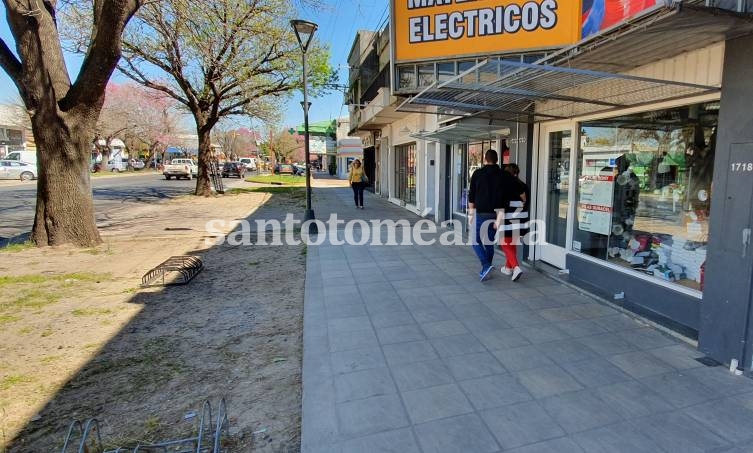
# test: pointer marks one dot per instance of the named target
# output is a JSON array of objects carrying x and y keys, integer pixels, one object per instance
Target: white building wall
[{"x": 399, "y": 133}]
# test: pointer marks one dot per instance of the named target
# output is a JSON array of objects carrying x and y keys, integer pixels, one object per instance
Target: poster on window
[
  {"x": 595, "y": 205},
  {"x": 599, "y": 15}
]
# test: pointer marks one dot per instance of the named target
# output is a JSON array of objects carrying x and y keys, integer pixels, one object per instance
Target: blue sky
[{"x": 338, "y": 22}]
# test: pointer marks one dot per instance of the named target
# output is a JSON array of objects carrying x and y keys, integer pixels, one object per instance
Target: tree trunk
[
  {"x": 65, "y": 209},
  {"x": 203, "y": 188}
]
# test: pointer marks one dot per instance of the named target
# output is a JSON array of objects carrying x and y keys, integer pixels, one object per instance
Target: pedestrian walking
[
  {"x": 515, "y": 222},
  {"x": 486, "y": 198},
  {"x": 358, "y": 180}
]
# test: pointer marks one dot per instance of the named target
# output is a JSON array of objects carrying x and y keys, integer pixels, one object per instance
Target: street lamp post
[{"x": 304, "y": 32}]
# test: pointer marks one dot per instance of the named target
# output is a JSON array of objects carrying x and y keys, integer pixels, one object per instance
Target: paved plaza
[{"x": 406, "y": 351}]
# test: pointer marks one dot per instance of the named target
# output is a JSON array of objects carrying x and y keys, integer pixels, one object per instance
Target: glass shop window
[
  {"x": 426, "y": 75},
  {"x": 645, "y": 191},
  {"x": 406, "y": 77},
  {"x": 445, "y": 71}
]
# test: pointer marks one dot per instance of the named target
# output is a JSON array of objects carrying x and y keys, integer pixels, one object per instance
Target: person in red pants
[{"x": 516, "y": 224}]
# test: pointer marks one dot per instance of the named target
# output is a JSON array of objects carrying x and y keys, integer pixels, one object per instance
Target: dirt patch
[{"x": 79, "y": 338}]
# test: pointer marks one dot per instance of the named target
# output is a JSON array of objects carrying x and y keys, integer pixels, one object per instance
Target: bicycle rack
[
  {"x": 176, "y": 270},
  {"x": 85, "y": 437}
]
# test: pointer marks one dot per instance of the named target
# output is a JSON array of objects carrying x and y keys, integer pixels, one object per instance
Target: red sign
[{"x": 599, "y": 15}]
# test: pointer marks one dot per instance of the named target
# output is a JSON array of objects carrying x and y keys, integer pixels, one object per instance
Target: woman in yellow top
[{"x": 357, "y": 180}]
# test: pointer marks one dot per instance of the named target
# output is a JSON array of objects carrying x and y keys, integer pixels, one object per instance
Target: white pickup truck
[{"x": 181, "y": 168}]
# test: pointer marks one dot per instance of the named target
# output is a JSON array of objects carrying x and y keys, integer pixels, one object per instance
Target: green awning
[{"x": 320, "y": 128}]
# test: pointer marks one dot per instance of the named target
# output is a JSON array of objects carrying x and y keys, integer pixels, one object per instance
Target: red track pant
[{"x": 511, "y": 252}]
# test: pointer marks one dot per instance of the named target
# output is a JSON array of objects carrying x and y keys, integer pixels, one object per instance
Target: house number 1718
[{"x": 742, "y": 166}]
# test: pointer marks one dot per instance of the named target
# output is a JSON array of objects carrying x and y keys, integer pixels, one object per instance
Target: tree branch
[
  {"x": 104, "y": 51},
  {"x": 10, "y": 63}
]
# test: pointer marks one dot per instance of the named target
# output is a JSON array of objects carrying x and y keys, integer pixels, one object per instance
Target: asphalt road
[{"x": 17, "y": 200}]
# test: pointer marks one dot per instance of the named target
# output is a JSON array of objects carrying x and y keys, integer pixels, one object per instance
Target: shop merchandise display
[{"x": 644, "y": 192}]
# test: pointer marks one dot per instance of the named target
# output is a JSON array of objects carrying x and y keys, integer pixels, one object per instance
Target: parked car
[
  {"x": 249, "y": 162},
  {"x": 233, "y": 169},
  {"x": 137, "y": 164},
  {"x": 117, "y": 165},
  {"x": 299, "y": 170},
  {"x": 13, "y": 169},
  {"x": 284, "y": 169},
  {"x": 181, "y": 168},
  {"x": 30, "y": 157}
]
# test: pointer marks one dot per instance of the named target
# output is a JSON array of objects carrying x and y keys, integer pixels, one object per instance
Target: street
[{"x": 17, "y": 200}]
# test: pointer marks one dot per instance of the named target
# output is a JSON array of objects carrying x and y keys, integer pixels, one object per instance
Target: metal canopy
[
  {"x": 462, "y": 133},
  {"x": 579, "y": 80},
  {"x": 537, "y": 92}
]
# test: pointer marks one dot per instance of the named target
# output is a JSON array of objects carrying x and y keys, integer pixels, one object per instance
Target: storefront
[
  {"x": 625, "y": 201},
  {"x": 639, "y": 156},
  {"x": 348, "y": 150}
]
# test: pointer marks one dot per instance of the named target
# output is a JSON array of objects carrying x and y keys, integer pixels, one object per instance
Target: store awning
[
  {"x": 463, "y": 133},
  {"x": 583, "y": 79},
  {"x": 537, "y": 92}
]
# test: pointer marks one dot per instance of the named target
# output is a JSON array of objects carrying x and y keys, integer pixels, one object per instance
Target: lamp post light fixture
[{"x": 304, "y": 32}]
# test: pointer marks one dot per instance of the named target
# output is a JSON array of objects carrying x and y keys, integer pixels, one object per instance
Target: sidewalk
[{"x": 405, "y": 351}]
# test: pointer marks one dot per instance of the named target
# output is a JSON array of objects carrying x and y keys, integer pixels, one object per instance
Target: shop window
[
  {"x": 426, "y": 75},
  {"x": 445, "y": 71},
  {"x": 468, "y": 159},
  {"x": 471, "y": 77},
  {"x": 405, "y": 173},
  {"x": 645, "y": 192},
  {"x": 489, "y": 73},
  {"x": 406, "y": 77}
]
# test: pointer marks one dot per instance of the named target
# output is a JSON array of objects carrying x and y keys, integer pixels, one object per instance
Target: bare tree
[
  {"x": 63, "y": 113},
  {"x": 223, "y": 58}
]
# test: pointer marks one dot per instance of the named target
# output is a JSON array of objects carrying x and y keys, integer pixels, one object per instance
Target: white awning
[{"x": 463, "y": 133}]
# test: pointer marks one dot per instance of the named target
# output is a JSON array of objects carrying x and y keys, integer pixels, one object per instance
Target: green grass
[
  {"x": 37, "y": 279},
  {"x": 79, "y": 312},
  {"x": 285, "y": 180},
  {"x": 46, "y": 360},
  {"x": 33, "y": 298},
  {"x": 13, "y": 380},
  {"x": 15, "y": 248},
  {"x": 39, "y": 290},
  {"x": 291, "y": 191},
  {"x": 7, "y": 319}
]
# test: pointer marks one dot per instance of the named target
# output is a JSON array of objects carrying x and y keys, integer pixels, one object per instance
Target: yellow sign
[{"x": 441, "y": 29}]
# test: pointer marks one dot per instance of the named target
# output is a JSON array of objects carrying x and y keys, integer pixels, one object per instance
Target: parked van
[
  {"x": 30, "y": 157},
  {"x": 249, "y": 162}
]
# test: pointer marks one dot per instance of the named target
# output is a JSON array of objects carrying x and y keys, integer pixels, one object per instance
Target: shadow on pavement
[{"x": 234, "y": 331}]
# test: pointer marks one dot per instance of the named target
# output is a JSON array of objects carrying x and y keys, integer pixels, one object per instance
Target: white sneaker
[
  {"x": 505, "y": 270},
  {"x": 516, "y": 273}
]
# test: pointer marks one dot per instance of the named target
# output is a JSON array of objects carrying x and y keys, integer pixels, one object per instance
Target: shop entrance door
[{"x": 554, "y": 196}]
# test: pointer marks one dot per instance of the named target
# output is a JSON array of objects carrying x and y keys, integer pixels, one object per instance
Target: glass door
[{"x": 554, "y": 198}]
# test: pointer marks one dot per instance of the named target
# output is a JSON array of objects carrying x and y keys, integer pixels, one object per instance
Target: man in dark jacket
[{"x": 486, "y": 199}]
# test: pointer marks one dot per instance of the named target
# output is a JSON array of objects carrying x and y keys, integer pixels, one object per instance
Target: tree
[
  {"x": 236, "y": 143},
  {"x": 63, "y": 113},
  {"x": 141, "y": 117},
  {"x": 223, "y": 58},
  {"x": 283, "y": 145}
]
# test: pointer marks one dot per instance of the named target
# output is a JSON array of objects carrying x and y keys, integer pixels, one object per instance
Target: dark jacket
[{"x": 490, "y": 189}]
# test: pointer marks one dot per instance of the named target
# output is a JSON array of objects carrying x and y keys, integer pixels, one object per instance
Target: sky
[{"x": 338, "y": 22}]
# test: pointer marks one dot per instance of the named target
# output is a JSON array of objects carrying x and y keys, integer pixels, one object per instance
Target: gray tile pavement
[{"x": 405, "y": 351}]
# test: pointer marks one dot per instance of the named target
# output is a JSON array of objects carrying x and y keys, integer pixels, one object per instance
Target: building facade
[{"x": 635, "y": 138}]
